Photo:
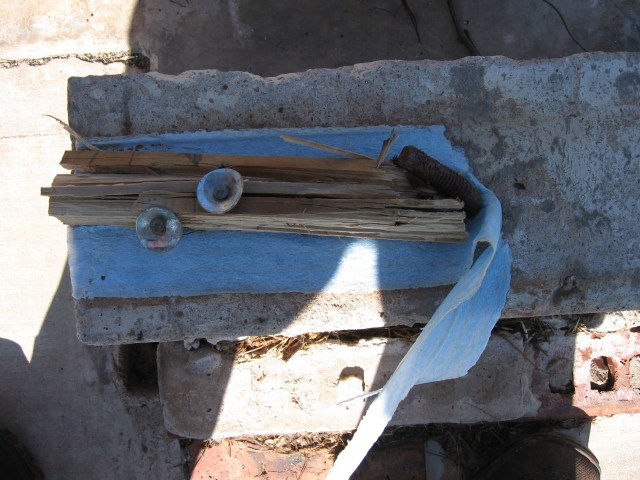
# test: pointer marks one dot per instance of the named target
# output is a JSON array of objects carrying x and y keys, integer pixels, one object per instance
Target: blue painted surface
[
  {"x": 110, "y": 262},
  {"x": 365, "y": 140}
]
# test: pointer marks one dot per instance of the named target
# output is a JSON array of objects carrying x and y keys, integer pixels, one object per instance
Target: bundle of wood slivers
[{"x": 304, "y": 195}]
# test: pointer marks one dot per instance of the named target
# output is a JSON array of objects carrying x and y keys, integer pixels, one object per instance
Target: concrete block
[
  {"x": 233, "y": 316},
  {"x": 556, "y": 140},
  {"x": 205, "y": 392}
]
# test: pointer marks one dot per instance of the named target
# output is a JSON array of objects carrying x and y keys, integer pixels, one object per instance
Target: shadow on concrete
[
  {"x": 69, "y": 409},
  {"x": 31, "y": 391},
  {"x": 273, "y": 37}
]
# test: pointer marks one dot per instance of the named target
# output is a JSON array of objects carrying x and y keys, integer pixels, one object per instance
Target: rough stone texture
[
  {"x": 599, "y": 373},
  {"x": 556, "y": 140},
  {"x": 560, "y": 371},
  {"x": 512, "y": 380}
]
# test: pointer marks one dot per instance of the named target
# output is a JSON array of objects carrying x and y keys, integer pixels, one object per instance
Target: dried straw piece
[
  {"x": 74, "y": 134},
  {"x": 326, "y": 148}
]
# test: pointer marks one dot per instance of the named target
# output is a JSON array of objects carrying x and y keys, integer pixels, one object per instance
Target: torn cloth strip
[{"x": 453, "y": 340}]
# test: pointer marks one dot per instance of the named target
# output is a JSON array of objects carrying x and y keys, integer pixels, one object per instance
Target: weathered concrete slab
[
  {"x": 303, "y": 393},
  {"x": 351, "y": 32},
  {"x": 45, "y": 28},
  {"x": 60, "y": 397},
  {"x": 541, "y": 28},
  {"x": 512, "y": 380},
  {"x": 232, "y": 316},
  {"x": 556, "y": 140}
]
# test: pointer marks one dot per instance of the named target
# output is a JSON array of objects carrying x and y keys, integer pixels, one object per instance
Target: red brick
[{"x": 233, "y": 460}]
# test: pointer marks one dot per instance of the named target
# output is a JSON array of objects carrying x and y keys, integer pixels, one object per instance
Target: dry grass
[
  {"x": 285, "y": 347},
  {"x": 579, "y": 322},
  {"x": 305, "y": 443},
  {"x": 282, "y": 347},
  {"x": 533, "y": 330}
]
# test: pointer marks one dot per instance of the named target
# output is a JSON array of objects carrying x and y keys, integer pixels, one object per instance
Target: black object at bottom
[
  {"x": 16, "y": 463},
  {"x": 542, "y": 456}
]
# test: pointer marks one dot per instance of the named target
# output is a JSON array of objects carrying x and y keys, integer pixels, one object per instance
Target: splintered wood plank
[
  {"x": 112, "y": 185},
  {"x": 91, "y": 161},
  {"x": 398, "y": 224},
  {"x": 183, "y": 203},
  {"x": 284, "y": 168},
  {"x": 305, "y": 195}
]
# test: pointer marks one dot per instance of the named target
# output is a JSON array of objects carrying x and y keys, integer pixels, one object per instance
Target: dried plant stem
[
  {"x": 326, "y": 148},
  {"x": 74, "y": 134}
]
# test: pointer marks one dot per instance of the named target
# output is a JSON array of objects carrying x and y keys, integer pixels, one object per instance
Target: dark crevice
[{"x": 136, "y": 365}]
